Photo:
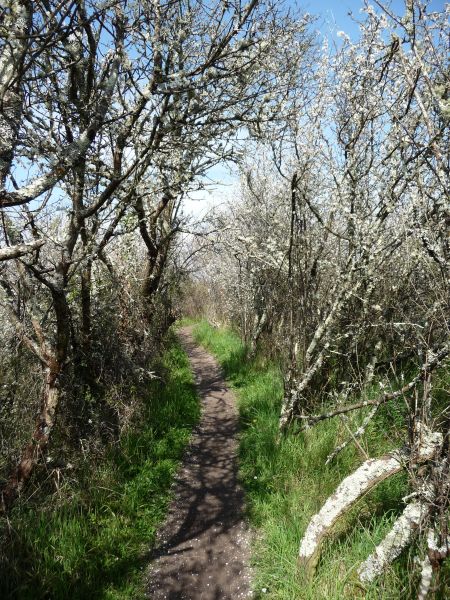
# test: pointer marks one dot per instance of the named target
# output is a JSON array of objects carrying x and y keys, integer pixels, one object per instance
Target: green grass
[
  {"x": 95, "y": 542},
  {"x": 287, "y": 482}
]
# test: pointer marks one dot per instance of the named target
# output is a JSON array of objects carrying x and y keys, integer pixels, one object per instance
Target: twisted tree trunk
[{"x": 361, "y": 481}]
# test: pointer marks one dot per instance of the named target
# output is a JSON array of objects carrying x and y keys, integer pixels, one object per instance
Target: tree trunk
[
  {"x": 86, "y": 324},
  {"x": 40, "y": 438},
  {"x": 361, "y": 481},
  {"x": 53, "y": 362},
  {"x": 394, "y": 543},
  {"x": 153, "y": 272},
  {"x": 258, "y": 328},
  {"x": 17, "y": 23}
]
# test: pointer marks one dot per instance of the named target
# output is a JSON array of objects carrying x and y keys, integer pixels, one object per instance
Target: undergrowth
[
  {"x": 93, "y": 539},
  {"x": 287, "y": 482}
]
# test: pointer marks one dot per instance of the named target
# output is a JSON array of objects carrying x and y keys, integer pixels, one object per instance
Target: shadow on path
[{"x": 203, "y": 548}]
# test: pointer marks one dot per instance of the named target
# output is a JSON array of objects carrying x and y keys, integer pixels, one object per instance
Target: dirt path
[{"x": 203, "y": 549}]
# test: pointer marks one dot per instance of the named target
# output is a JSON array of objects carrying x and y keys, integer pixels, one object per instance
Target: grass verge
[
  {"x": 93, "y": 539},
  {"x": 287, "y": 483}
]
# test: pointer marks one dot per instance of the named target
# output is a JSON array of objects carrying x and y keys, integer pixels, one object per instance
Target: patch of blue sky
[
  {"x": 333, "y": 16},
  {"x": 221, "y": 181},
  {"x": 342, "y": 15}
]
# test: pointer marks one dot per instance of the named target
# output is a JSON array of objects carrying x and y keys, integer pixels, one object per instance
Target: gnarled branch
[
  {"x": 394, "y": 543},
  {"x": 365, "y": 478},
  {"x": 19, "y": 250}
]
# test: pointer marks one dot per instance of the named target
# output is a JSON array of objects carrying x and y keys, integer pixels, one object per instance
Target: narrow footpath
[{"x": 203, "y": 549}]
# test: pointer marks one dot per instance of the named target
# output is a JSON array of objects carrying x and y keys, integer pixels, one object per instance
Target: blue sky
[{"x": 333, "y": 16}]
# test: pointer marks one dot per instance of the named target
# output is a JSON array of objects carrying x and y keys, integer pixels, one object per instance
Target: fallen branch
[
  {"x": 394, "y": 543},
  {"x": 430, "y": 564},
  {"x": 365, "y": 478},
  {"x": 426, "y": 578}
]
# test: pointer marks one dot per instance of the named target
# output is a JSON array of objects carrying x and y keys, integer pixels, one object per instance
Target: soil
[{"x": 203, "y": 549}]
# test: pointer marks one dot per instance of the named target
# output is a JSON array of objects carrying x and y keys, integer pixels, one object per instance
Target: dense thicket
[
  {"x": 336, "y": 259},
  {"x": 110, "y": 113},
  {"x": 335, "y": 256}
]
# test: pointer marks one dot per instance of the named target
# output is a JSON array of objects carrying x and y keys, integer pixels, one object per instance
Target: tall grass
[
  {"x": 94, "y": 541},
  {"x": 287, "y": 482}
]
